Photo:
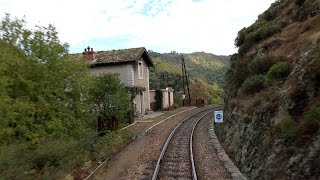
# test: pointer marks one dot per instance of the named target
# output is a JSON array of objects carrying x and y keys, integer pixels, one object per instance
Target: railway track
[{"x": 176, "y": 158}]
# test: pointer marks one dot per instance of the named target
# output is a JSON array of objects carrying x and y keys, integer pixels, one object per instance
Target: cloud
[{"x": 160, "y": 25}]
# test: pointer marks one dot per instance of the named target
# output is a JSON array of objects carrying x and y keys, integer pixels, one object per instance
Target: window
[{"x": 140, "y": 70}]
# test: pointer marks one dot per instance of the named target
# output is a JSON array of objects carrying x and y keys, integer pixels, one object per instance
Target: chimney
[{"x": 89, "y": 54}]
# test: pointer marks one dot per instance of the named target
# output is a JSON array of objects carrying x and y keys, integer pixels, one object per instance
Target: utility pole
[
  {"x": 185, "y": 75},
  {"x": 182, "y": 69}
]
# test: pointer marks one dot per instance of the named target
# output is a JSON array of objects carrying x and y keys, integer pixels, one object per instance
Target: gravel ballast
[
  {"x": 208, "y": 164},
  {"x": 139, "y": 159},
  {"x": 156, "y": 137},
  {"x": 228, "y": 164}
]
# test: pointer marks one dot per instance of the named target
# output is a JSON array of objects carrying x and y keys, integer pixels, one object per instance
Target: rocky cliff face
[{"x": 273, "y": 103}]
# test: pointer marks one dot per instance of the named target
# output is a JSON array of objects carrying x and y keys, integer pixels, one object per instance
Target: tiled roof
[
  {"x": 117, "y": 56},
  {"x": 122, "y": 56}
]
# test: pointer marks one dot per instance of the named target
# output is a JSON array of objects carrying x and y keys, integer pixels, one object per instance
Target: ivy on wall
[
  {"x": 158, "y": 98},
  {"x": 133, "y": 91}
]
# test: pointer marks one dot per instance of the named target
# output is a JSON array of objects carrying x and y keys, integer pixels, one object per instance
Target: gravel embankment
[
  {"x": 208, "y": 164},
  {"x": 224, "y": 158}
]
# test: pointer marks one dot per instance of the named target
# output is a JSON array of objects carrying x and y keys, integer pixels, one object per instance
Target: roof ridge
[
  {"x": 121, "y": 56},
  {"x": 140, "y": 54},
  {"x": 122, "y": 49}
]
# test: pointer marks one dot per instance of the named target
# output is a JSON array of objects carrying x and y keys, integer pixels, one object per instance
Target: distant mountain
[{"x": 200, "y": 65}]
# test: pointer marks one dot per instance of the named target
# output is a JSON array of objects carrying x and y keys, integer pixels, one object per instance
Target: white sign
[{"x": 218, "y": 116}]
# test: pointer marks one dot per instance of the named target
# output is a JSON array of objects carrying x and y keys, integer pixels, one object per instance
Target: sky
[{"x": 162, "y": 26}]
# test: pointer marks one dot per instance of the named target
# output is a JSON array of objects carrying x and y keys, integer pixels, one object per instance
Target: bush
[
  {"x": 312, "y": 116},
  {"x": 238, "y": 71},
  {"x": 240, "y": 38},
  {"x": 57, "y": 158},
  {"x": 278, "y": 70},
  {"x": 299, "y": 2},
  {"x": 177, "y": 96},
  {"x": 260, "y": 65},
  {"x": 253, "y": 84},
  {"x": 264, "y": 30},
  {"x": 217, "y": 101},
  {"x": 271, "y": 13},
  {"x": 288, "y": 127},
  {"x": 158, "y": 97},
  {"x": 257, "y": 32},
  {"x": 108, "y": 144},
  {"x": 52, "y": 160},
  {"x": 109, "y": 101}
]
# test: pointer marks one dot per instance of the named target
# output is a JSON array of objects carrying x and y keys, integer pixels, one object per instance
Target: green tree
[
  {"x": 45, "y": 106},
  {"x": 109, "y": 99},
  {"x": 211, "y": 93},
  {"x": 43, "y": 94}
]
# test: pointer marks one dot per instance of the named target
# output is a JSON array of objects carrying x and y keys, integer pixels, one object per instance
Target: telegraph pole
[
  {"x": 182, "y": 69},
  {"x": 185, "y": 75}
]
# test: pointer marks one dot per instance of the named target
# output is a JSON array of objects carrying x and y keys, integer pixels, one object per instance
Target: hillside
[
  {"x": 206, "y": 66},
  {"x": 272, "y": 94},
  {"x": 204, "y": 69}
]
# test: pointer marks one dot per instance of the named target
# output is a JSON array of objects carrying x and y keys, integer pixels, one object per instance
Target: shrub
[
  {"x": 57, "y": 158},
  {"x": 264, "y": 30},
  {"x": 311, "y": 121},
  {"x": 109, "y": 101},
  {"x": 278, "y": 70},
  {"x": 51, "y": 160},
  {"x": 177, "y": 98},
  {"x": 158, "y": 97},
  {"x": 271, "y": 13},
  {"x": 253, "y": 84},
  {"x": 244, "y": 47},
  {"x": 260, "y": 65},
  {"x": 312, "y": 116},
  {"x": 258, "y": 31},
  {"x": 240, "y": 38},
  {"x": 108, "y": 144},
  {"x": 288, "y": 126},
  {"x": 238, "y": 71},
  {"x": 299, "y": 2},
  {"x": 217, "y": 101}
]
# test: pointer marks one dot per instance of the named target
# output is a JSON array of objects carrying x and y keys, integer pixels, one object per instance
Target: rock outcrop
[{"x": 273, "y": 119}]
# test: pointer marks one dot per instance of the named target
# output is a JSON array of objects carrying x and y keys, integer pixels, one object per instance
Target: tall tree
[{"x": 44, "y": 96}]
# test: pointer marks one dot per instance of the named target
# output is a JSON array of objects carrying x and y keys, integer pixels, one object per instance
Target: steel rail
[
  {"x": 157, "y": 168},
  {"x": 194, "y": 173}
]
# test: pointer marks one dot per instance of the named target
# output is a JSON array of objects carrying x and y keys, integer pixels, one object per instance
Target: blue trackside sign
[{"x": 218, "y": 116}]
